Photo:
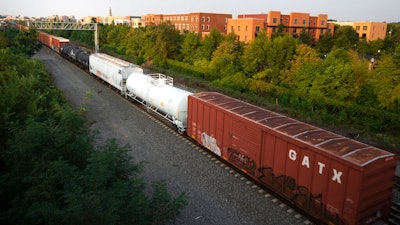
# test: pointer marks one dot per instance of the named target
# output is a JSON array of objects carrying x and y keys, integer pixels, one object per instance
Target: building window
[
  {"x": 238, "y": 28},
  {"x": 224, "y": 27},
  {"x": 202, "y": 27},
  {"x": 208, "y": 27},
  {"x": 247, "y": 28},
  {"x": 295, "y": 21},
  {"x": 357, "y": 27},
  {"x": 245, "y": 38},
  {"x": 365, "y": 27},
  {"x": 294, "y": 30},
  {"x": 208, "y": 19},
  {"x": 203, "y": 19},
  {"x": 323, "y": 22},
  {"x": 364, "y": 36},
  {"x": 304, "y": 22},
  {"x": 274, "y": 20},
  {"x": 257, "y": 28}
]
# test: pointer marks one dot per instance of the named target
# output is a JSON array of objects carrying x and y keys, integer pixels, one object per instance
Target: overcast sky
[{"x": 341, "y": 10}]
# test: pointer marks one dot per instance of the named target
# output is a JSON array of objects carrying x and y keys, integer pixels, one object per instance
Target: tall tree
[
  {"x": 346, "y": 37},
  {"x": 305, "y": 55},
  {"x": 280, "y": 53},
  {"x": 325, "y": 44},
  {"x": 304, "y": 37},
  {"x": 255, "y": 55},
  {"x": 189, "y": 47},
  {"x": 226, "y": 58},
  {"x": 386, "y": 81},
  {"x": 209, "y": 44}
]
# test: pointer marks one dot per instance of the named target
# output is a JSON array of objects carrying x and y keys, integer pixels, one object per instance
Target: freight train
[{"x": 334, "y": 179}]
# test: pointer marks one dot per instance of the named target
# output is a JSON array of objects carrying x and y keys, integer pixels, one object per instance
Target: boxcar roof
[
  {"x": 353, "y": 151},
  {"x": 61, "y": 39}
]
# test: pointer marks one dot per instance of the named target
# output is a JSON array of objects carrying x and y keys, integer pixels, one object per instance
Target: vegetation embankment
[
  {"x": 329, "y": 83},
  {"x": 51, "y": 170}
]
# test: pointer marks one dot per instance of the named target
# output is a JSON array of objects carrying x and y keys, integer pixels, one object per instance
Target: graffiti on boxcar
[
  {"x": 210, "y": 143},
  {"x": 242, "y": 161},
  {"x": 300, "y": 195}
]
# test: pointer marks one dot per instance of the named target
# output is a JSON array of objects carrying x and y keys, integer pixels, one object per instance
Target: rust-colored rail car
[
  {"x": 333, "y": 178},
  {"x": 53, "y": 42}
]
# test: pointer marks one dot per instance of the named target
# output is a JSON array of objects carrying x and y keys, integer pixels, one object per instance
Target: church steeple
[{"x": 109, "y": 12}]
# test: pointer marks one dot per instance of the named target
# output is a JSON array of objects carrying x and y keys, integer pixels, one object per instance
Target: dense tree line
[
  {"x": 329, "y": 81},
  {"x": 52, "y": 172}
]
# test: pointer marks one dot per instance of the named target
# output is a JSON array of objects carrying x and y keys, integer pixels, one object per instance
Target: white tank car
[
  {"x": 157, "y": 92},
  {"x": 112, "y": 70}
]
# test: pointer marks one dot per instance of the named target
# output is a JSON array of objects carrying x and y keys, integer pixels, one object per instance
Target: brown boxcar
[
  {"x": 53, "y": 42},
  {"x": 333, "y": 178}
]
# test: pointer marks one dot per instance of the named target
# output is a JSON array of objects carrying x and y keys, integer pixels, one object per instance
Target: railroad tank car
[
  {"x": 83, "y": 59},
  {"x": 159, "y": 94},
  {"x": 335, "y": 179},
  {"x": 65, "y": 50},
  {"x": 112, "y": 70},
  {"x": 74, "y": 52}
]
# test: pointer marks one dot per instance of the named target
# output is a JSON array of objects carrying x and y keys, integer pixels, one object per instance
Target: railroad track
[{"x": 395, "y": 214}]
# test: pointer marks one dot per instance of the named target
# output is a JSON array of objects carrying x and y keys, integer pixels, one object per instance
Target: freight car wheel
[{"x": 181, "y": 130}]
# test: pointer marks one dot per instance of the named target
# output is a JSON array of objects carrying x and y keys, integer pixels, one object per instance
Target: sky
[{"x": 341, "y": 10}]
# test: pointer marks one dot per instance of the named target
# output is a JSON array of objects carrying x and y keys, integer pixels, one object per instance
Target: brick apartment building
[
  {"x": 369, "y": 31},
  {"x": 246, "y": 26},
  {"x": 197, "y": 22}
]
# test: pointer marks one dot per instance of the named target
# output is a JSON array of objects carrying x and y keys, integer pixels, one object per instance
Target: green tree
[
  {"x": 305, "y": 55},
  {"x": 304, "y": 37},
  {"x": 255, "y": 55},
  {"x": 189, "y": 48},
  {"x": 135, "y": 45},
  {"x": 338, "y": 55},
  {"x": 392, "y": 38},
  {"x": 226, "y": 58},
  {"x": 90, "y": 186},
  {"x": 334, "y": 82},
  {"x": 116, "y": 37},
  {"x": 346, "y": 37},
  {"x": 386, "y": 82},
  {"x": 396, "y": 57},
  {"x": 325, "y": 44},
  {"x": 362, "y": 47},
  {"x": 376, "y": 47},
  {"x": 280, "y": 53},
  {"x": 209, "y": 44},
  {"x": 280, "y": 31}
]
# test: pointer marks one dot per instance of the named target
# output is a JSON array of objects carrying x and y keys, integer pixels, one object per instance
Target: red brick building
[
  {"x": 247, "y": 26},
  {"x": 197, "y": 22}
]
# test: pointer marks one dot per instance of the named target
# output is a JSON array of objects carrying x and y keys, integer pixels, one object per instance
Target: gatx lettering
[{"x": 305, "y": 161}]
